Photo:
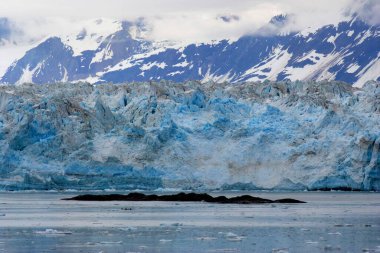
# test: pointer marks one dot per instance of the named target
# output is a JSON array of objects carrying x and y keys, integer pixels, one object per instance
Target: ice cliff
[{"x": 271, "y": 135}]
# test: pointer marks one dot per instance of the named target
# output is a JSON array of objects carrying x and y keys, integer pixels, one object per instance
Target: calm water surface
[{"x": 329, "y": 222}]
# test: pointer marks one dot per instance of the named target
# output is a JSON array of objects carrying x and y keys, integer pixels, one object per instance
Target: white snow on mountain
[
  {"x": 369, "y": 72},
  {"x": 106, "y": 50},
  {"x": 90, "y": 34},
  {"x": 276, "y": 63}
]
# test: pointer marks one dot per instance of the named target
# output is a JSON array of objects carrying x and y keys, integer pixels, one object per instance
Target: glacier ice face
[{"x": 271, "y": 135}]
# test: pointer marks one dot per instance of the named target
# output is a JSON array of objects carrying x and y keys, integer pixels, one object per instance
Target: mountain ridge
[{"x": 348, "y": 51}]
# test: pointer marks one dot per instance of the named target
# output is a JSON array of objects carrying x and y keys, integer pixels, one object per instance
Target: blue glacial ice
[{"x": 271, "y": 135}]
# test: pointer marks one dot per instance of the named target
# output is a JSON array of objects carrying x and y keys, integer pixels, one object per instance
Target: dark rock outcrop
[{"x": 182, "y": 197}]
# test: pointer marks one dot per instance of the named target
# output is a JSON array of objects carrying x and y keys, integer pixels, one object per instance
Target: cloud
[
  {"x": 368, "y": 10},
  {"x": 196, "y": 20},
  {"x": 5, "y": 28},
  {"x": 205, "y": 26}
]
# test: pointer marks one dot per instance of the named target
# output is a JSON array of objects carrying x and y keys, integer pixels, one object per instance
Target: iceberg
[{"x": 190, "y": 136}]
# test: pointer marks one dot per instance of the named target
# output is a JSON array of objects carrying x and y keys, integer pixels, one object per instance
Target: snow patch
[
  {"x": 369, "y": 72},
  {"x": 105, "y": 54},
  {"x": 176, "y": 73},
  {"x": 276, "y": 64},
  {"x": 181, "y": 64},
  {"x": 352, "y": 68},
  {"x": 27, "y": 75},
  {"x": 318, "y": 71},
  {"x": 150, "y": 65},
  {"x": 363, "y": 37}
]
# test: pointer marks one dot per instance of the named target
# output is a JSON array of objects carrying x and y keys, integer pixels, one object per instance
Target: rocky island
[{"x": 183, "y": 197}]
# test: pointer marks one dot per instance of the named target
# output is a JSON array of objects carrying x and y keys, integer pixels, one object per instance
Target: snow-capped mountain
[
  {"x": 113, "y": 51},
  {"x": 99, "y": 44}
]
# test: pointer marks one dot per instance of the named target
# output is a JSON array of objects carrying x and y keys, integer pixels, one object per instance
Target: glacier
[{"x": 191, "y": 136}]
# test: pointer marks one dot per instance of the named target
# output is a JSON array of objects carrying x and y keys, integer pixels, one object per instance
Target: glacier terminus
[{"x": 192, "y": 135}]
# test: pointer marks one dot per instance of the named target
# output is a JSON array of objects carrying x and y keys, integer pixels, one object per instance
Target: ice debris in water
[
  {"x": 106, "y": 242},
  {"x": 283, "y": 250},
  {"x": 128, "y": 228},
  {"x": 229, "y": 250},
  {"x": 206, "y": 238},
  {"x": 50, "y": 231},
  {"x": 165, "y": 240},
  {"x": 233, "y": 237},
  {"x": 311, "y": 242},
  {"x": 335, "y": 233}
]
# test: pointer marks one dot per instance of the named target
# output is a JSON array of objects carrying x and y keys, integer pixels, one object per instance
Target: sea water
[{"x": 328, "y": 222}]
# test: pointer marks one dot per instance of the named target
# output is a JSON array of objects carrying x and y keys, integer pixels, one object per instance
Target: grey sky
[{"x": 182, "y": 19}]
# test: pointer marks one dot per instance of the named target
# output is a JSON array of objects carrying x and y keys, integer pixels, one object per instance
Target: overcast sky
[{"x": 184, "y": 19}]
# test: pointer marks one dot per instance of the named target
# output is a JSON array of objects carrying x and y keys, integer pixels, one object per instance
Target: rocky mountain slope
[
  {"x": 271, "y": 135},
  {"x": 113, "y": 51}
]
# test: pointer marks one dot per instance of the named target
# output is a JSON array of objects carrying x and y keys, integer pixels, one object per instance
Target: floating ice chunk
[
  {"x": 165, "y": 240},
  {"x": 335, "y": 233},
  {"x": 224, "y": 250},
  {"x": 128, "y": 228},
  {"x": 234, "y": 237},
  {"x": 49, "y": 231},
  {"x": 105, "y": 242},
  {"x": 206, "y": 238},
  {"x": 311, "y": 242},
  {"x": 283, "y": 250},
  {"x": 230, "y": 234}
]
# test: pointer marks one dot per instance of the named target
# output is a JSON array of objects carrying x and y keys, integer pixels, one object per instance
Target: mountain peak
[
  {"x": 279, "y": 20},
  {"x": 277, "y": 25}
]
